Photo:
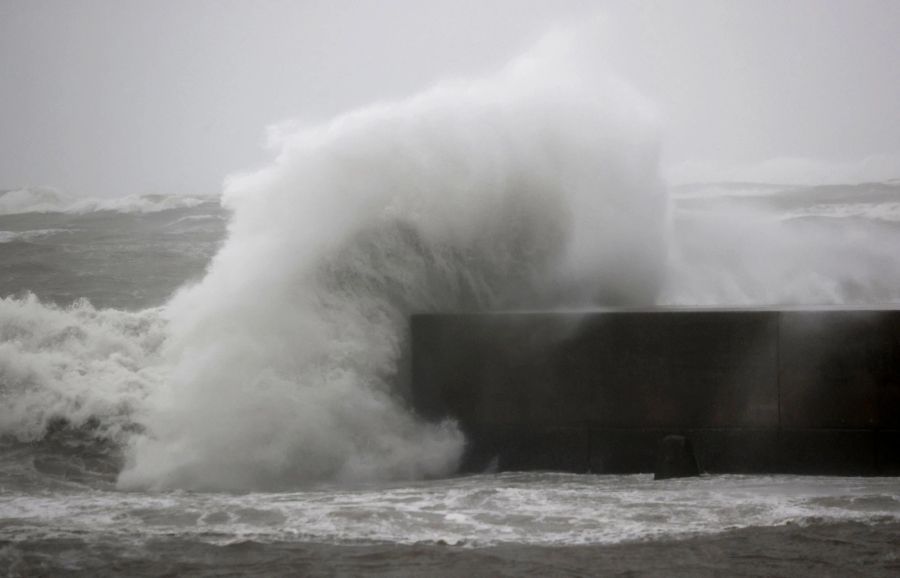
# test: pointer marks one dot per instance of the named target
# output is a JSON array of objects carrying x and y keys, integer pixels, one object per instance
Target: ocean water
[
  {"x": 63, "y": 510},
  {"x": 204, "y": 385}
]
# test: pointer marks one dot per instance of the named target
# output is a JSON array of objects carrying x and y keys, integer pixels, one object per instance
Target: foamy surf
[
  {"x": 77, "y": 364},
  {"x": 538, "y": 509}
]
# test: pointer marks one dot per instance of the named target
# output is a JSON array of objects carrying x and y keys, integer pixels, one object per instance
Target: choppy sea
[{"x": 66, "y": 270}]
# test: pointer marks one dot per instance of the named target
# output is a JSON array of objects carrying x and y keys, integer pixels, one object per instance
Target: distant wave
[
  {"x": 879, "y": 201},
  {"x": 13, "y": 236},
  {"x": 725, "y": 189},
  {"x": 44, "y": 200},
  {"x": 888, "y": 212}
]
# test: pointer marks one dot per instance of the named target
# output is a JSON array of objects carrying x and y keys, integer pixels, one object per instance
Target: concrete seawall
[{"x": 756, "y": 391}]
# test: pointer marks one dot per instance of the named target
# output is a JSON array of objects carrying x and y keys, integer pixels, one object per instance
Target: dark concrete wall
[{"x": 756, "y": 391}]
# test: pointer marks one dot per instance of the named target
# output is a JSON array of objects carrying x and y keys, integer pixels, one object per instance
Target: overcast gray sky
[{"x": 110, "y": 97}]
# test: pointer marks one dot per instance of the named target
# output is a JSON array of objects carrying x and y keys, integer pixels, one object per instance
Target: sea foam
[{"x": 79, "y": 364}]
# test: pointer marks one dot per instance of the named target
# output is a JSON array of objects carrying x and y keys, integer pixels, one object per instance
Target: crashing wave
[{"x": 534, "y": 187}]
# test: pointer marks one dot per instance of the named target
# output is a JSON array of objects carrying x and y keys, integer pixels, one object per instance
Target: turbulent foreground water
[
  {"x": 66, "y": 435},
  {"x": 486, "y": 525}
]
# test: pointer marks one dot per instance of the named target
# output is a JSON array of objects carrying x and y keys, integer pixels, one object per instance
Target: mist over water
[
  {"x": 282, "y": 365},
  {"x": 762, "y": 245}
]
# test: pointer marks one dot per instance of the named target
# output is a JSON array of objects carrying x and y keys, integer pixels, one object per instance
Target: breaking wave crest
[{"x": 77, "y": 366}]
